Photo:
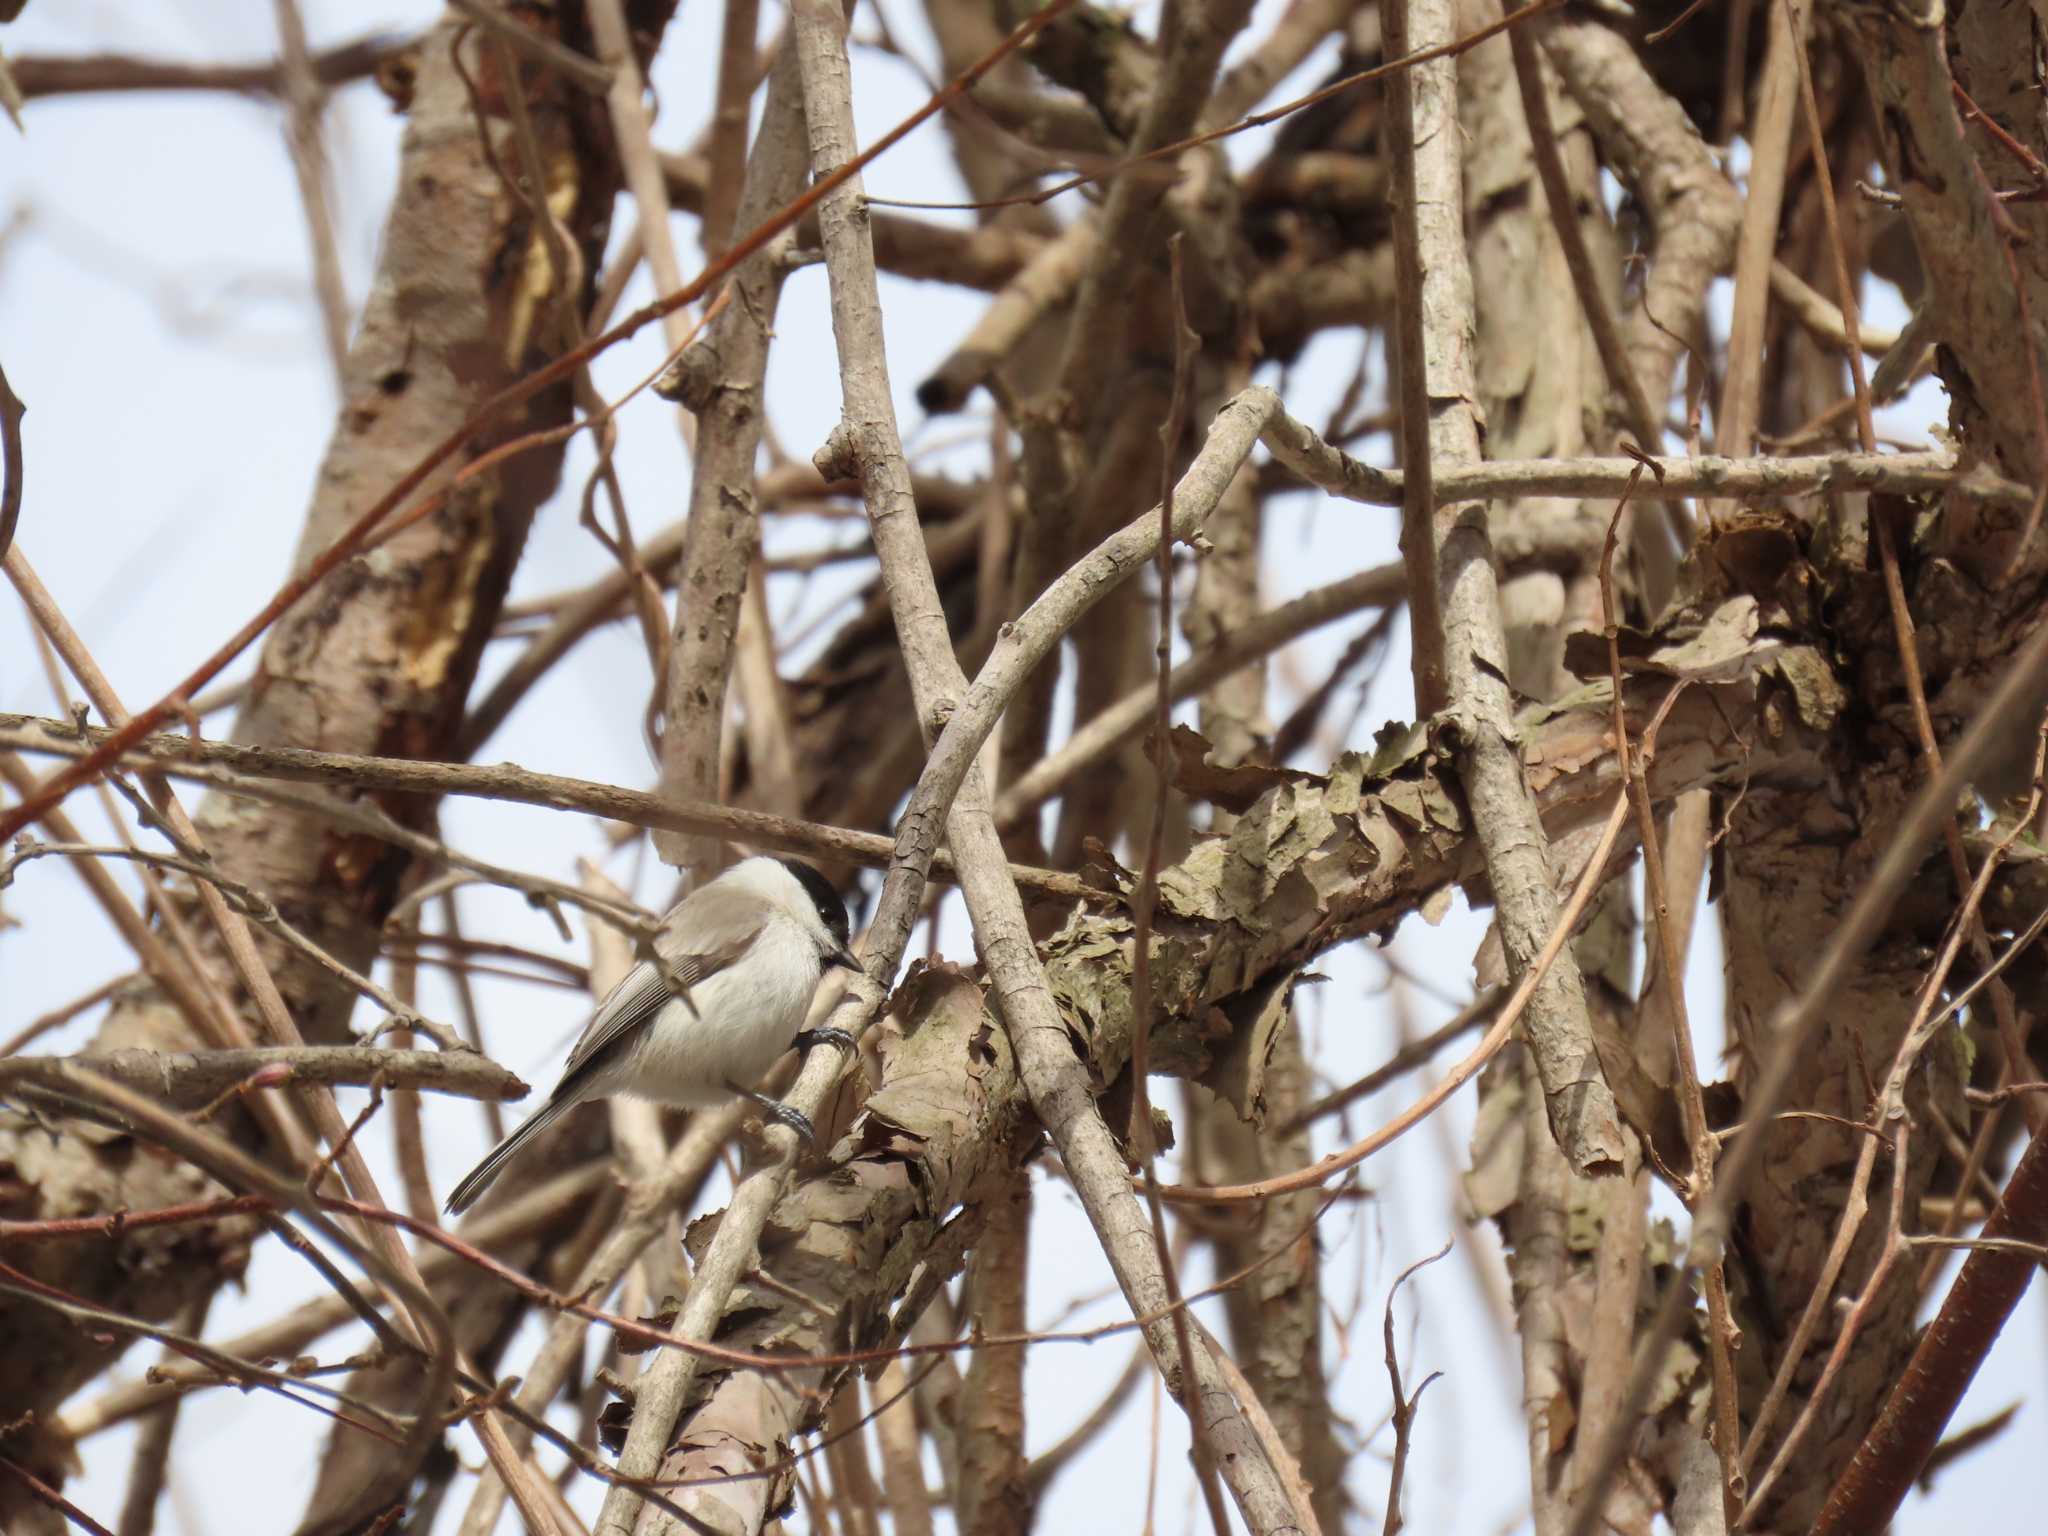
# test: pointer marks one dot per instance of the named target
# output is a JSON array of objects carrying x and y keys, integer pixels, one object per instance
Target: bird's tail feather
[{"x": 479, "y": 1178}]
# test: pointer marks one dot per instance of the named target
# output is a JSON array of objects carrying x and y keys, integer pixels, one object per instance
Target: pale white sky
[{"x": 156, "y": 315}]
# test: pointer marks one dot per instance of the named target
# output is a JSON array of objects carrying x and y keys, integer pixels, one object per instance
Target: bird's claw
[
  {"x": 781, "y": 1114},
  {"x": 795, "y": 1119},
  {"x": 808, "y": 1040}
]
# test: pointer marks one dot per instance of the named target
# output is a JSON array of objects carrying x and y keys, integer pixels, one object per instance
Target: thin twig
[
  {"x": 1416, "y": 1053},
  {"x": 1404, "y": 1405},
  {"x": 305, "y": 99},
  {"x": 500, "y": 781},
  {"x": 213, "y": 1154},
  {"x": 1723, "y": 1336},
  {"x": 372, "y": 518},
  {"x": 290, "y": 1335},
  {"x": 11, "y": 462},
  {"x": 725, "y": 158},
  {"x": 1110, "y": 728},
  {"x": 656, "y": 1186},
  {"x": 244, "y": 901},
  {"x": 1790, "y": 1029},
  {"x": 578, "y": 69},
  {"x": 1888, "y": 1107},
  {"x": 44, "y": 1494},
  {"x": 1644, "y": 418},
  {"x": 113, "y": 72},
  {"x": 1054, "y": 1079},
  {"x": 1903, "y": 474},
  {"x": 394, "y": 1267},
  {"x": 151, "y": 1462},
  {"x": 57, "y": 1017},
  {"x": 1459, "y": 639}
]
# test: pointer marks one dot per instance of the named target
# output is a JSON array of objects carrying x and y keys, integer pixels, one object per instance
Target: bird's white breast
[{"x": 746, "y": 1016}]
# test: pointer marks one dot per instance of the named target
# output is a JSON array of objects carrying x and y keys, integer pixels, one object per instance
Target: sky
[{"x": 156, "y": 314}]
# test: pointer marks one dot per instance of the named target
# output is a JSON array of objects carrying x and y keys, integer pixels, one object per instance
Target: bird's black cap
[{"x": 831, "y": 910}]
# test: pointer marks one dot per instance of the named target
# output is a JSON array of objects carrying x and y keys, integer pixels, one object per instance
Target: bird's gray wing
[{"x": 648, "y": 987}]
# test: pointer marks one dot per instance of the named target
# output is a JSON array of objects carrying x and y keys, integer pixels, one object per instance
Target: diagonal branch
[{"x": 1057, "y": 1082}]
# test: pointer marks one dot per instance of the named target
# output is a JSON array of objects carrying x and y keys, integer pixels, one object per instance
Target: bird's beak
[{"x": 843, "y": 958}]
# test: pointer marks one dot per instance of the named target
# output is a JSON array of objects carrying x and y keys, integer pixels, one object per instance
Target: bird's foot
[
  {"x": 781, "y": 1114},
  {"x": 808, "y": 1040}
]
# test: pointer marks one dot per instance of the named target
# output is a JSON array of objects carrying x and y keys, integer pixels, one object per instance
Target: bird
[{"x": 735, "y": 964}]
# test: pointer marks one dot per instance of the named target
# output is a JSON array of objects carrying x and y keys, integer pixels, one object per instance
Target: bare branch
[
  {"x": 190, "y": 1079},
  {"x": 502, "y": 781},
  {"x": 305, "y": 98},
  {"x": 1460, "y": 648},
  {"x": 46, "y": 76}
]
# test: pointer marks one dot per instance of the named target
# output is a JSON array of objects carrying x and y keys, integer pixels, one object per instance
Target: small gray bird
[{"x": 739, "y": 959}]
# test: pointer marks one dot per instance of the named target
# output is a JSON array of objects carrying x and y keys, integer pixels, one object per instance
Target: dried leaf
[
  {"x": 1269, "y": 840},
  {"x": 1397, "y": 745},
  {"x": 1192, "y": 888},
  {"x": 1256, "y": 1021},
  {"x": 1721, "y": 649},
  {"x": 1236, "y": 789},
  {"x": 664, "y": 1318},
  {"x": 1346, "y": 788},
  {"x": 1101, "y": 868},
  {"x": 1559, "y": 1422},
  {"x": 613, "y": 1420},
  {"x": 1819, "y": 697},
  {"x": 1761, "y": 552}
]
